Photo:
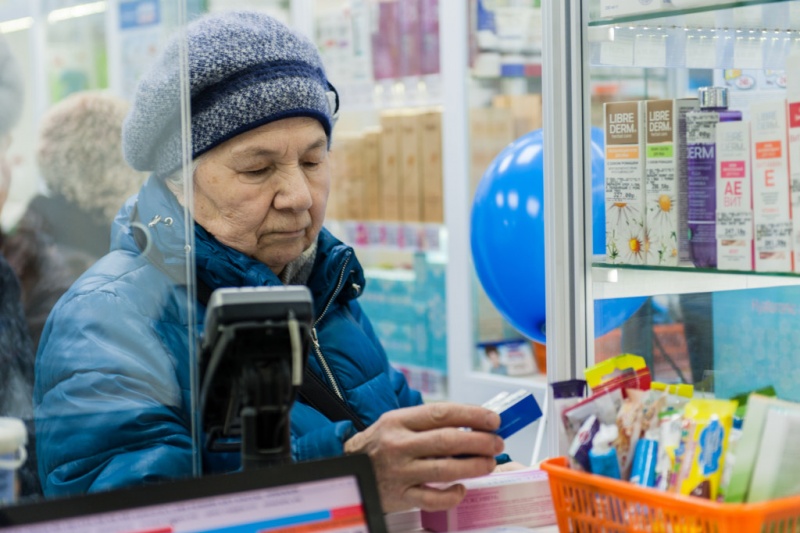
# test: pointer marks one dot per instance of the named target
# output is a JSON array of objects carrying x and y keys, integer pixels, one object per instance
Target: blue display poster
[{"x": 757, "y": 341}]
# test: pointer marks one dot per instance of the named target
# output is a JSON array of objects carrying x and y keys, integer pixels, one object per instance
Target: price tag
[
  {"x": 748, "y": 53},
  {"x": 650, "y": 51},
  {"x": 774, "y": 236},
  {"x": 701, "y": 51},
  {"x": 734, "y": 225}
]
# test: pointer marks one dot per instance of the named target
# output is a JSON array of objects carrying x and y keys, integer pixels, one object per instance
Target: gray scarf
[{"x": 298, "y": 271}]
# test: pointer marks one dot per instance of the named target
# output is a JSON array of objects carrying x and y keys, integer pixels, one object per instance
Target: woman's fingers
[
  {"x": 447, "y": 442},
  {"x": 439, "y": 415},
  {"x": 427, "y": 498}
]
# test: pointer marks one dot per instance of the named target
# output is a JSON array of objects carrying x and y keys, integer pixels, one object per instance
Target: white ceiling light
[
  {"x": 81, "y": 10},
  {"x": 16, "y": 24}
]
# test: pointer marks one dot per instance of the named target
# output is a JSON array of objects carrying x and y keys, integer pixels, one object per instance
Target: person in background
[
  {"x": 62, "y": 233},
  {"x": 114, "y": 356},
  {"x": 16, "y": 349}
]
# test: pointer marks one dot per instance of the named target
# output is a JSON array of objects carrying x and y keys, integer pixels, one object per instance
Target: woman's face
[{"x": 264, "y": 192}]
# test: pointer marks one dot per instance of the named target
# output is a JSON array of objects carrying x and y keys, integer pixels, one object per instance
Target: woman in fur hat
[{"x": 62, "y": 233}]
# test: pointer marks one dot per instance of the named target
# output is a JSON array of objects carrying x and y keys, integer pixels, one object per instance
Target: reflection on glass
[{"x": 67, "y": 70}]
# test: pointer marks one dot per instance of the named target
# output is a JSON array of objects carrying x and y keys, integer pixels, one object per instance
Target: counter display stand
[{"x": 752, "y": 311}]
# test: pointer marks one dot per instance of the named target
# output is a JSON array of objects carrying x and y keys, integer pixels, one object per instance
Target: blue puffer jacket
[{"x": 112, "y": 396}]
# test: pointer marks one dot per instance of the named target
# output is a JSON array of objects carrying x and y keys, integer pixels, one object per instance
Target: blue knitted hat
[{"x": 246, "y": 69}]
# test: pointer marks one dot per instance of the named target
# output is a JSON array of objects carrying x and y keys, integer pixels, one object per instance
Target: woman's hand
[
  {"x": 509, "y": 466},
  {"x": 414, "y": 447}
]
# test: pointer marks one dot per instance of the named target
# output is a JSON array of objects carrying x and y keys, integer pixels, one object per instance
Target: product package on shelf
[
  {"x": 390, "y": 165},
  {"x": 410, "y": 170},
  {"x": 734, "y": 197},
  {"x": 665, "y": 189},
  {"x": 431, "y": 167},
  {"x": 624, "y": 182},
  {"x": 771, "y": 190},
  {"x": 701, "y": 172},
  {"x": 371, "y": 163}
]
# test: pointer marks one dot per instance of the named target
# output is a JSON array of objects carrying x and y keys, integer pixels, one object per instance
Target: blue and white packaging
[{"x": 516, "y": 410}]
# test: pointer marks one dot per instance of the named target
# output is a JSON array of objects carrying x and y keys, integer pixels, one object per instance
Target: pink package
[
  {"x": 429, "y": 23},
  {"x": 518, "y": 498},
  {"x": 386, "y": 42}
]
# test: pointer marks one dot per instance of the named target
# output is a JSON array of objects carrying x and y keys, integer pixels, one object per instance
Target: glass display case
[{"x": 727, "y": 328}]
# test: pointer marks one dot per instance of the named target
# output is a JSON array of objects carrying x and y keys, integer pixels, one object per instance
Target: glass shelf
[
  {"x": 622, "y": 281},
  {"x": 678, "y": 16},
  {"x": 748, "y": 35}
]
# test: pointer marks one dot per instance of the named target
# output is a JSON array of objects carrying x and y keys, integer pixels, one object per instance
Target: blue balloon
[{"x": 507, "y": 236}]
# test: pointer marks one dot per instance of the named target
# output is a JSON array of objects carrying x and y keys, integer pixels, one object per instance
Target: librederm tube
[{"x": 701, "y": 164}]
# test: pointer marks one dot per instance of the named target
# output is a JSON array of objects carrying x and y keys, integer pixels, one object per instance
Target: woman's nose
[{"x": 294, "y": 193}]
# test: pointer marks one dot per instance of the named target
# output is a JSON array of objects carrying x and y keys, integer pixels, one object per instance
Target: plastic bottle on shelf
[{"x": 701, "y": 166}]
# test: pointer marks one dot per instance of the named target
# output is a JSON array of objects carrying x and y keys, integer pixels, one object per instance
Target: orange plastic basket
[{"x": 587, "y": 503}]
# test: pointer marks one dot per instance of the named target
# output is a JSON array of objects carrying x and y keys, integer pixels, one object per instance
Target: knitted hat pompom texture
[
  {"x": 80, "y": 153},
  {"x": 246, "y": 69}
]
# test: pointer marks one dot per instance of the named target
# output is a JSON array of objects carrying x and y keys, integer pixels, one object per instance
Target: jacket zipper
[{"x": 314, "y": 338}]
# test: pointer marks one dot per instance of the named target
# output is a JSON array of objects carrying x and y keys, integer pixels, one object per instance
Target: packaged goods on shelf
[
  {"x": 350, "y": 179},
  {"x": 526, "y": 110},
  {"x": 390, "y": 165},
  {"x": 625, "y": 185},
  {"x": 665, "y": 185},
  {"x": 734, "y": 196},
  {"x": 410, "y": 171},
  {"x": 386, "y": 42},
  {"x": 371, "y": 162},
  {"x": 701, "y": 169},
  {"x": 431, "y": 163},
  {"x": 491, "y": 130},
  {"x": 429, "y": 47},
  {"x": 771, "y": 189}
]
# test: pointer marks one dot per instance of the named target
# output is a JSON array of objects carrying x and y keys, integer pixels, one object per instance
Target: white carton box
[
  {"x": 515, "y": 498},
  {"x": 665, "y": 181},
  {"x": 793, "y": 119},
  {"x": 624, "y": 182},
  {"x": 734, "y": 197},
  {"x": 772, "y": 209}
]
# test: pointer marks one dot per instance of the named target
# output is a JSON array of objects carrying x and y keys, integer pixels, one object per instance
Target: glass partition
[{"x": 97, "y": 335}]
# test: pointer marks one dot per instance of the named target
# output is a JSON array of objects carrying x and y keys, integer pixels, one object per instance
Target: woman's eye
[
  {"x": 311, "y": 164},
  {"x": 257, "y": 172}
]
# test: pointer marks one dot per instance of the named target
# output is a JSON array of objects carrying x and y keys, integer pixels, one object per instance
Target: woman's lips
[{"x": 288, "y": 234}]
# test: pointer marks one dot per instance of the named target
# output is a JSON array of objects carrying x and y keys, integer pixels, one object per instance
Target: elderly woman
[{"x": 112, "y": 394}]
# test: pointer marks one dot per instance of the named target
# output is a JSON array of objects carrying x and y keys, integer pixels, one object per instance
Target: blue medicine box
[{"x": 516, "y": 410}]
